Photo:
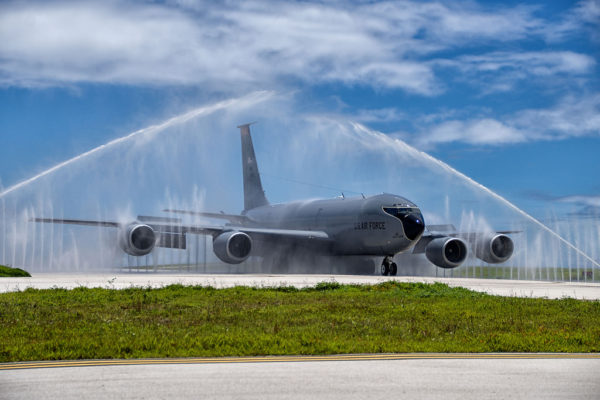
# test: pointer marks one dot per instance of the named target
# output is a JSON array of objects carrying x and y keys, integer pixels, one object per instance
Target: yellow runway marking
[{"x": 271, "y": 359}]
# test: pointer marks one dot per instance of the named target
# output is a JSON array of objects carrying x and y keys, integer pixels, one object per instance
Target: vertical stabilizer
[{"x": 254, "y": 195}]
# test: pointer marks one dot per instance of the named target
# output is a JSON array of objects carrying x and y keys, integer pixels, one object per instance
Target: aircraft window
[{"x": 397, "y": 212}]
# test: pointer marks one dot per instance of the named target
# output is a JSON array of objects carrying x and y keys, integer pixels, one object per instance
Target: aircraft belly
[{"x": 368, "y": 243}]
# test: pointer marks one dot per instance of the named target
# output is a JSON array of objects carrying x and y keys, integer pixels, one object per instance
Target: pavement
[
  {"x": 500, "y": 287},
  {"x": 414, "y": 376}
]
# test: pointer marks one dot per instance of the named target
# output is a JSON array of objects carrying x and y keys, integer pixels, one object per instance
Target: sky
[{"x": 507, "y": 93}]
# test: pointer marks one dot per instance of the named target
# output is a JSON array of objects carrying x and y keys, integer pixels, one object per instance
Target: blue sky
[{"x": 506, "y": 92}]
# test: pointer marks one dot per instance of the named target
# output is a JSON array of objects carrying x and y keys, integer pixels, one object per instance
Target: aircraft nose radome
[{"x": 413, "y": 226}]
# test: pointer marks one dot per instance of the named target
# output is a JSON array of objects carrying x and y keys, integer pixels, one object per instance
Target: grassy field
[
  {"x": 12, "y": 272},
  {"x": 179, "y": 321}
]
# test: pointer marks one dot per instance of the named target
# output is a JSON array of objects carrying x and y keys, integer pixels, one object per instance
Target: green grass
[
  {"x": 12, "y": 272},
  {"x": 178, "y": 321}
]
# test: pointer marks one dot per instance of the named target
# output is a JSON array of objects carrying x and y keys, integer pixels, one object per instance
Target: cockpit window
[
  {"x": 398, "y": 212},
  {"x": 412, "y": 220}
]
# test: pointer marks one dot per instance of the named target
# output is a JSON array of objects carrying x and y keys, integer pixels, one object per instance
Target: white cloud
[
  {"x": 584, "y": 18},
  {"x": 533, "y": 63},
  {"x": 502, "y": 71},
  {"x": 571, "y": 117},
  {"x": 388, "y": 114},
  {"x": 256, "y": 43},
  {"x": 593, "y": 201},
  {"x": 483, "y": 131}
]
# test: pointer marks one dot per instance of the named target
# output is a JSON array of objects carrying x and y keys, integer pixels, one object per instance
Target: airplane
[{"x": 378, "y": 226}]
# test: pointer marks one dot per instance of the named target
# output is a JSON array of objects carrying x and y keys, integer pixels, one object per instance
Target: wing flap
[
  {"x": 252, "y": 231},
  {"x": 238, "y": 219},
  {"x": 77, "y": 222}
]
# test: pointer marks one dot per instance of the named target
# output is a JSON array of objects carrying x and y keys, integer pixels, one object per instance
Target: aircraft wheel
[
  {"x": 385, "y": 269},
  {"x": 393, "y": 269}
]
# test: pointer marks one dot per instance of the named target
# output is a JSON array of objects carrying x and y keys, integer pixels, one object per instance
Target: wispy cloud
[
  {"x": 502, "y": 71},
  {"x": 584, "y": 205},
  {"x": 571, "y": 117},
  {"x": 585, "y": 15},
  {"x": 581, "y": 200},
  {"x": 261, "y": 43}
]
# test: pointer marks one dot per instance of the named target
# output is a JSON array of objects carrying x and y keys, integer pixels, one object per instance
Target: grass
[
  {"x": 178, "y": 321},
  {"x": 12, "y": 272}
]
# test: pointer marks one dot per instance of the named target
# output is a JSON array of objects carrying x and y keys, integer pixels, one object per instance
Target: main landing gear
[{"x": 389, "y": 267}]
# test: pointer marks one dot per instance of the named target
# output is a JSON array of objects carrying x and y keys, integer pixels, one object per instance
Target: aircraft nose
[{"x": 413, "y": 225}]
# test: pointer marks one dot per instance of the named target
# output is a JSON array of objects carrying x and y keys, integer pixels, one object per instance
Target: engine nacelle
[
  {"x": 232, "y": 247},
  {"x": 446, "y": 252},
  {"x": 494, "y": 248},
  {"x": 137, "y": 239}
]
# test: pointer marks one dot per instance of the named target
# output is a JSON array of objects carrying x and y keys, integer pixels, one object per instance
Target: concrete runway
[
  {"x": 552, "y": 290},
  {"x": 434, "y": 376}
]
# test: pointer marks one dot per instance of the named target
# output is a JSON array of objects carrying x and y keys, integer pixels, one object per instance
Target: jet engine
[
  {"x": 232, "y": 247},
  {"x": 137, "y": 239},
  {"x": 446, "y": 252},
  {"x": 494, "y": 248}
]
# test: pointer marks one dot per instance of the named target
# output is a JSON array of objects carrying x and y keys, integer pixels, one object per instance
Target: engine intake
[
  {"x": 446, "y": 252},
  {"x": 137, "y": 239},
  {"x": 494, "y": 249},
  {"x": 232, "y": 247}
]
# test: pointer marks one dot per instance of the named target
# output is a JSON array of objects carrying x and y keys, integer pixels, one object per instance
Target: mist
[{"x": 193, "y": 162}]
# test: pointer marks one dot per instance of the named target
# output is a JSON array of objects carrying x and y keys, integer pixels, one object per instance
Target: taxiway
[{"x": 425, "y": 376}]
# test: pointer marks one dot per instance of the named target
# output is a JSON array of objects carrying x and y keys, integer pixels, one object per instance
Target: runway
[
  {"x": 416, "y": 376},
  {"x": 519, "y": 288}
]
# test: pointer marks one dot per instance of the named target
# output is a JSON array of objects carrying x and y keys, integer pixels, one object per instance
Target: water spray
[
  {"x": 478, "y": 185},
  {"x": 250, "y": 99}
]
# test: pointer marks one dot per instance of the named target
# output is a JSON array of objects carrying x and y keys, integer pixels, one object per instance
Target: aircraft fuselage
[{"x": 357, "y": 225}]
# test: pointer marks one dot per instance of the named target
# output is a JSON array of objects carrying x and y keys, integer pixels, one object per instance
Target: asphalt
[
  {"x": 519, "y": 288},
  {"x": 424, "y": 376}
]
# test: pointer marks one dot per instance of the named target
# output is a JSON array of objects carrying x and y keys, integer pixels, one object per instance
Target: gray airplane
[{"x": 371, "y": 227}]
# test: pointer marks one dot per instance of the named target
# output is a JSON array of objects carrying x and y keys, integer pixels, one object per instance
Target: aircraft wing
[
  {"x": 255, "y": 232},
  {"x": 172, "y": 225},
  {"x": 450, "y": 230},
  {"x": 439, "y": 231},
  {"x": 236, "y": 219},
  {"x": 77, "y": 222}
]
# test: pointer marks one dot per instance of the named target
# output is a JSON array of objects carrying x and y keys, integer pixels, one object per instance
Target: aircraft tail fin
[{"x": 254, "y": 195}]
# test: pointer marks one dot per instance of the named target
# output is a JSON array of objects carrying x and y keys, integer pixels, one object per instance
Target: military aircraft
[{"x": 379, "y": 226}]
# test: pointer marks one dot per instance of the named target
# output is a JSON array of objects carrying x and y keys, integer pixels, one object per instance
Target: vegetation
[
  {"x": 12, "y": 272},
  {"x": 178, "y": 321}
]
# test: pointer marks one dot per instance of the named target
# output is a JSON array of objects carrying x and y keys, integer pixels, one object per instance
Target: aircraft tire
[
  {"x": 393, "y": 269},
  {"x": 385, "y": 269}
]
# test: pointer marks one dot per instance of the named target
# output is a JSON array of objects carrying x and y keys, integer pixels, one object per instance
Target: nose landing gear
[{"x": 389, "y": 267}]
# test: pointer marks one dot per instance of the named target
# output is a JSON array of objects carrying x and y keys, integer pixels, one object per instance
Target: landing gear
[
  {"x": 389, "y": 267},
  {"x": 393, "y": 269},
  {"x": 385, "y": 269}
]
